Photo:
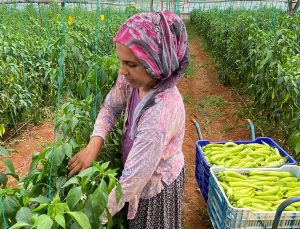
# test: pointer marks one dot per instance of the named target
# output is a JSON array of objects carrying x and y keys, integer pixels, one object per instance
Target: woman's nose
[{"x": 123, "y": 70}]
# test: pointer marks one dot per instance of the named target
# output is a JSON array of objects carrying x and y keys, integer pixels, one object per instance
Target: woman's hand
[{"x": 84, "y": 158}]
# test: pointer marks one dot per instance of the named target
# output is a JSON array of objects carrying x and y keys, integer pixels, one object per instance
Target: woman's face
[{"x": 133, "y": 70}]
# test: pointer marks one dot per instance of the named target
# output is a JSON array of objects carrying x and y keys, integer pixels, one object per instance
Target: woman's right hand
[{"x": 84, "y": 158}]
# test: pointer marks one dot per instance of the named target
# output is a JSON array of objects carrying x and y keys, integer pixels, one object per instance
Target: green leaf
[
  {"x": 105, "y": 165},
  {"x": 111, "y": 184},
  {"x": 60, "y": 220},
  {"x": 87, "y": 172},
  {"x": 34, "y": 161},
  {"x": 73, "y": 180},
  {"x": 295, "y": 141},
  {"x": 297, "y": 148},
  {"x": 25, "y": 200},
  {"x": 40, "y": 207},
  {"x": 3, "y": 151},
  {"x": 43, "y": 222},
  {"x": 286, "y": 97},
  {"x": 81, "y": 218},
  {"x": 88, "y": 209},
  {"x": 118, "y": 192},
  {"x": 110, "y": 220},
  {"x": 60, "y": 182},
  {"x": 99, "y": 199},
  {"x": 24, "y": 214},
  {"x": 10, "y": 169},
  {"x": 10, "y": 166},
  {"x": 98, "y": 167},
  {"x": 75, "y": 225},
  {"x": 20, "y": 225},
  {"x": 11, "y": 206},
  {"x": 73, "y": 143},
  {"x": 73, "y": 197},
  {"x": 58, "y": 155},
  {"x": 40, "y": 199},
  {"x": 3, "y": 179},
  {"x": 73, "y": 123},
  {"x": 68, "y": 149}
]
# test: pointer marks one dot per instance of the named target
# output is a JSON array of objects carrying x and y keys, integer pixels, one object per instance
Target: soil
[
  {"x": 30, "y": 140},
  {"x": 218, "y": 123}
]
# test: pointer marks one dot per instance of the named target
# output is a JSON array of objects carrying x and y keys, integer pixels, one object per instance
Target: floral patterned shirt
[{"x": 155, "y": 159}]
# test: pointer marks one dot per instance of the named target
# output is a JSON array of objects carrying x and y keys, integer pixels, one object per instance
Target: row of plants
[
  {"x": 71, "y": 67},
  {"x": 30, "y": 56},
  {"x": 259, "y": 50},
  {"x": 46, "y": 197}
]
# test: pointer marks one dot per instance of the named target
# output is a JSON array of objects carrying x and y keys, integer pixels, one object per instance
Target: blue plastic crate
[
  {"x": 202, "y": 166},
  {"x": 224, "y": 216}
]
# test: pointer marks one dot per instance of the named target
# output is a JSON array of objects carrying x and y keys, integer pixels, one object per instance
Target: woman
[{"x": 153, "y": 53}]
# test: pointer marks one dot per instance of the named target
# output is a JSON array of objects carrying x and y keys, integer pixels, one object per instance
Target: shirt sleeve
[
  {"x": 112, "y": 108},
  {"x": 142, "y": 160}
]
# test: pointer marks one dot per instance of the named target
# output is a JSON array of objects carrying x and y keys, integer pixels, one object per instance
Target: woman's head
[
  {"x": 158, "y": 41},
  {"x": 133, "y": 70}
]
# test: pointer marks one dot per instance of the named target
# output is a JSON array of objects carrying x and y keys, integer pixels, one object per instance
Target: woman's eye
[{"x": 131, "y": 65}]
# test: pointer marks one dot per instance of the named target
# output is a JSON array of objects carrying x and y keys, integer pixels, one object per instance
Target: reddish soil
[
  {"x": 217, "y": 123},
  {"x": 201, "y": 84},
  {"x": 31, "y": 140}
]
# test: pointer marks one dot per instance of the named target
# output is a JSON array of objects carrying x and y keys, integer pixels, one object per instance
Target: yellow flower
[
  {"x": 101, "y": 17},
  {"x": 70, "y": 20}
]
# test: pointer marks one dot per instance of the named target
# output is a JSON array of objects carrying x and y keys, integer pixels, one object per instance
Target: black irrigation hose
[{"x": 17, "y": 131}]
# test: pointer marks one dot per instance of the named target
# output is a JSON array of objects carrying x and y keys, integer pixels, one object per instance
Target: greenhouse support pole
[
  {"x": 151, "y": 5},
  {"x": 293, "y": 8},
  {"x": 59, "y": 82}
]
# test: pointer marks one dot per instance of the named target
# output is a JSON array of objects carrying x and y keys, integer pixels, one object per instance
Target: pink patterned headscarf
[{"x": 159, "y": 41}]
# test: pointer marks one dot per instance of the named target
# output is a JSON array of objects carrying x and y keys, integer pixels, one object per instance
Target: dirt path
[
  {"x": 31, "y": 140},
  {"x": 214, "y": 106},
  {"x": 206, "y": 99}
]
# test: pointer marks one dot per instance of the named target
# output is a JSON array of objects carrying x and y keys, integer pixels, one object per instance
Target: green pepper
[
  {"x": 231, "y": 173},
  {"x": 296, "y": 205},
  {"x": 235, "y": 149},
  {"x": 264, "y": 178},
  {"x": 231, "y": 144},
  {"x": 274, "y": 164},
  {"x": 243, "y": 184},
  {"x": 270, "y": 173},
  {"x": 244, "y": 201},
  {"x": 237, "y": 196},
  {"x": 242, "y": 190},
  {"x": 268, "y": 198},
  {"x": 269, "y": 192},
  {"x": 261, "y": 207},
  {"x": 261, "y": 183},
  {"x": 250, "y": 164},
  {"x": 232, "y": 179},
  {"x": 292, "y": 184},
  {"x": 289, "y": 179},
  {"x": 217, "y": 157},
  {"x": 292, "y": 193},
  {"x": 273, "y": 158},
  {"x": 256, "y": 145}
]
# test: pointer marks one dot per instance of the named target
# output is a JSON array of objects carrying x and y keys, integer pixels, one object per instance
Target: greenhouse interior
[{"x": 158, "y": 114}]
